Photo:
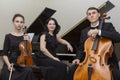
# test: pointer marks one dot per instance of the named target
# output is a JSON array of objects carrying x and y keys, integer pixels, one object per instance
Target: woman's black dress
[
  {"x": 11, "y": 49},
  {"x": 55, "y": 70}
]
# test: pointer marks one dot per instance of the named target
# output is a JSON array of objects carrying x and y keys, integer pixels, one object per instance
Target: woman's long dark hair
[{"x": 57, "y": 29}]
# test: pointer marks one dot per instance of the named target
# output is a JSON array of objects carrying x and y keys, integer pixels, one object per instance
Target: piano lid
[{"x": 38, "y": 25}]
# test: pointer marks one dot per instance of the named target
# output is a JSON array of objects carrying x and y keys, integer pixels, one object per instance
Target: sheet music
[{"x": 31, "y": 36}]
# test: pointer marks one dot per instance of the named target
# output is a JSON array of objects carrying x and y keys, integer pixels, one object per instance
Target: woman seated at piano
[{"x": 47, "y": 56}]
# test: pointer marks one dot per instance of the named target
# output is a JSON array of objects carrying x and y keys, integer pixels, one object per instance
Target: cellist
[
  {"x": 107, "y": 31},
  {"x": 11, "y": 52}
]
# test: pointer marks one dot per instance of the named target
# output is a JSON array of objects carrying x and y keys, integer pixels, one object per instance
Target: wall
[{"x": 69, "y": 12}]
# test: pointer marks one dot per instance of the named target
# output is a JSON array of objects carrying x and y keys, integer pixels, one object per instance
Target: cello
[
  {"x": 25, "y": 58},
  {"x": 94, "y": 66}
]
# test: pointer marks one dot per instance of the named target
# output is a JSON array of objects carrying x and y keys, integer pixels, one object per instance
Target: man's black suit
[{"x": 107, "y": 31}]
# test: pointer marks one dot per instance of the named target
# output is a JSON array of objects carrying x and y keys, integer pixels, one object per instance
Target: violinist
[
  {"x": 107, "y": 31},
  {"x": 11, "y": 52}
]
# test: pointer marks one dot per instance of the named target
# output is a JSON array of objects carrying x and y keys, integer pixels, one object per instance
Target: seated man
[{"x": 108, "y": 31}]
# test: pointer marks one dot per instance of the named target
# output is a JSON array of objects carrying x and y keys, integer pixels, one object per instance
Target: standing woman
[
  {"x": 47, "y": 56},
  {"x": 11, "y": 52}
]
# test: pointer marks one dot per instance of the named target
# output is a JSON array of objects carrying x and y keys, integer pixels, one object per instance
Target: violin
[
  {"x": 94, "y": 66},
  {"x": 25, "y": 58}
]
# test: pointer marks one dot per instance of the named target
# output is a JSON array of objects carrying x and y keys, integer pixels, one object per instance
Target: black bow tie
[{"x": 94, "y": 27}]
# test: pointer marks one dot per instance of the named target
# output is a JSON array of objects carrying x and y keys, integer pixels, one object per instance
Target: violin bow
[{"x": 11, "y": 70}]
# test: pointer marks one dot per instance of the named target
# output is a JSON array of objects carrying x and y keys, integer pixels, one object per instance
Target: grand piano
[{"x": 39, "y": 24}]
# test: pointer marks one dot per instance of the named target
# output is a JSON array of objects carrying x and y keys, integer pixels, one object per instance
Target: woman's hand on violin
[
  {"x": 26, "y": 37},
  {"x": 93, "y": 33},
  {"x": 76, "y": 61}
]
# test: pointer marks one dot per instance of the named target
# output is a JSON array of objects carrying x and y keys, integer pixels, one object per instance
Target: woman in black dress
[
  {"x": 47, "y": 56},
  {"x": 11, "y": 53}
]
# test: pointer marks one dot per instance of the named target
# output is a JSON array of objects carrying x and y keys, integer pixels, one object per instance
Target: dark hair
[
  {"x": 92, "y": 8},
  {"x": 18, "y": 15},
  {"x": 57, "y": 29}
]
